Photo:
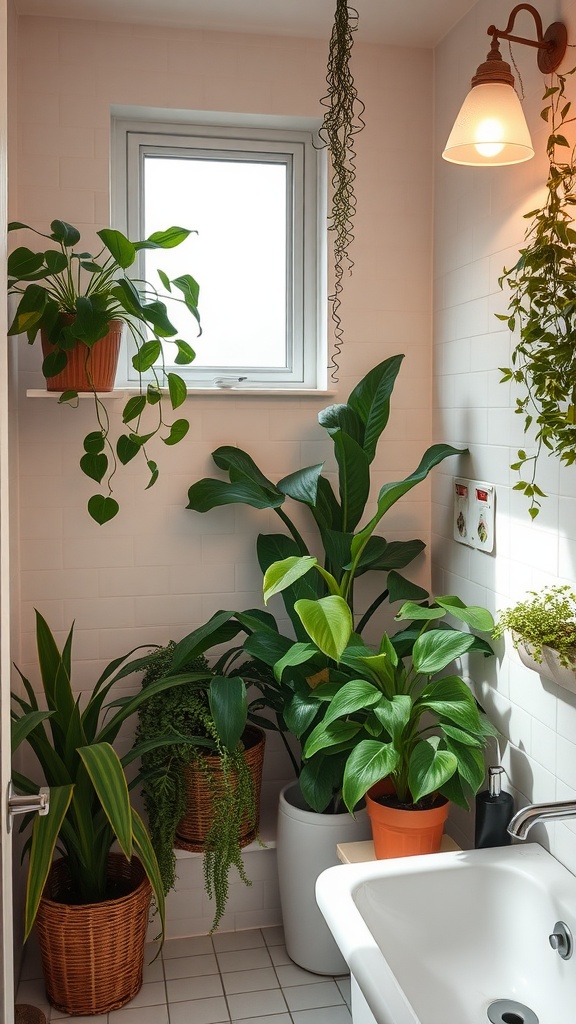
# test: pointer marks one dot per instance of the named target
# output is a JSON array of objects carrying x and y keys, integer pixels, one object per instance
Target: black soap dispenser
[{"x": 494, "y": 809}]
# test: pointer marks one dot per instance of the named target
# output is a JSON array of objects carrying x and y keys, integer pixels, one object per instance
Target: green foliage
[
  {"x": 55, "y": 284},
  {"x": 89, "y": 794},
  {"x": 386, "y": 713},
  {"x": 209, "y": 712},
  {"x": 546, "y": 618},
  {"x": 355, "y": 428},
  {"x": 542, "y": 308}
]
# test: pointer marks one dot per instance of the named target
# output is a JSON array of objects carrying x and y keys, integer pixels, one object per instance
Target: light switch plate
[{"x": 474, "y": 505}]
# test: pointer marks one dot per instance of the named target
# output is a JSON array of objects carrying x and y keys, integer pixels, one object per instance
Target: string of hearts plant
[
  {"x": 542, "y": 308},
  {"x": 72, "y": 297}
]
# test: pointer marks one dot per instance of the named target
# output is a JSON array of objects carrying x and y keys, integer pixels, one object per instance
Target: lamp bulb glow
[{"x": 489, "y": 134}]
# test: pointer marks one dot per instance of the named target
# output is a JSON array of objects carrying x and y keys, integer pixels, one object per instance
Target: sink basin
[{"x": 443, "y": 938}]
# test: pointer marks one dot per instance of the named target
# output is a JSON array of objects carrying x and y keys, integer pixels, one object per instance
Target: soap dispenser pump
[{"x": 494, "y": 809}]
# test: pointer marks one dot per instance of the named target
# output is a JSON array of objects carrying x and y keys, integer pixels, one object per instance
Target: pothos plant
[
  {"x": 72, "y": 296},
  {"x": 542, "y": 308}
]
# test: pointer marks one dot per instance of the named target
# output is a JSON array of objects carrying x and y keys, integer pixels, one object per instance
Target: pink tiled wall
[
  {"x": 157, "y": 571},
  {"x": 478, "y": 229}
]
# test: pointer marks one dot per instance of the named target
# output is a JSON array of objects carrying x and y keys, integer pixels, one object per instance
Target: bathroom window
[{"x": 255, "y": 197}]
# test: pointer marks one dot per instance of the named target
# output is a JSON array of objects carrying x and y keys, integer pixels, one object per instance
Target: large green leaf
[
  {"x": 394, "y": 714},
  {"x": 370, "y": 399},
  {"x": 45, "y": 832},
  {"x": 302, "y": 485},
  {"x": 241, "y": 466},
  {"x": 434, "y": 650},
  {"x": 472, "y": 615},
  {"x": 119, "y": 246},
  {"x": 208, "y": 494},
  {"x": 379, "y": 554},
  {"x": 368, "y": 763},
  {"x": 451, "y": 699},
  {"x": 283, "y": 574},
  {"x": 392, "y": 492},
  {"x": 356, "y": 695},
  {"x": 107, "y": 776},
  {"x": 353, "y": 479},
  {"x": 21, "y": 727},
  {"x": 429, "y": 768},
  {"x": 145, "y": 851},
  {"x": 298, "y": 654},
  {"x": 320, "y": 780},
  {"x": 228, "y": 705},
  {"x": 328, "y": 622},
  {"x": 336, "y": 734},
  {"x": 401, "y": 589},
  {"x": 342, "y": 417}
]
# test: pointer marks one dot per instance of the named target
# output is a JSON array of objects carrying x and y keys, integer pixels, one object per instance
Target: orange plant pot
[
  {"x": 88, "y": 369},
  {"x": 404, "y": 833}
]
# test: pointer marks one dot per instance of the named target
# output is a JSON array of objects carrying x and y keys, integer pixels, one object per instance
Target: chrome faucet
[{"x": 523, "y": 820}]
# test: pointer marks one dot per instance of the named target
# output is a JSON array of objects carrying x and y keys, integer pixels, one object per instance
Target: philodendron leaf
[
  {"x": 177, "y": 390},
  {"x": 355, "y": 695},
  {"x": 208, "y": 494},
  {"x": 411, "y": 610},
  {"x": 429, "y": 768},
  {"x": 126, "y": 449},
  {"x": 434, "y": 650},
  {"x": 328, "y": 622},
  {"x": 154, "y": 472},
  {"x": 282, "y": 574},
  {"x": 324, "y": 737},
  {"x": 119, "y": 246},
  {"x": 472, "y": 615},
  {"x": 368, "y": 763},
  {"x": 178, "y": 430},
  {"x": 94, "y": 466},
  {"x": 102, "y": 508},
  {"x": 370, "y": 399},
  {"x": 298, "y": 654}
]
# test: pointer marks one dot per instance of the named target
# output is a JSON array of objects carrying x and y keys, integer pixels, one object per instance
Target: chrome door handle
[{"x": 31, "y": 803}]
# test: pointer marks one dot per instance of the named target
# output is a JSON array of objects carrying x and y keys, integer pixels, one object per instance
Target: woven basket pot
[
  {"x": 195, "y": 824},
  {"x": 87, "y": 369},
  {"x": 93, "y": 953}
]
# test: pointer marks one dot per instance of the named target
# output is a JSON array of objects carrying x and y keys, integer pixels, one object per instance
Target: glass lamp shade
[{"x": 490, "y": 129}]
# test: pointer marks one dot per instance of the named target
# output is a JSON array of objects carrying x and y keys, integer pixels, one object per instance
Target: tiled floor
[{"x": 232, "y": 976}]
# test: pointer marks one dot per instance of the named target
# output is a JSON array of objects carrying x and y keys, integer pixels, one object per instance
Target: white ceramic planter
[
  {"x": 306, "y": 846},
  {"x": 549, "y": 666}
]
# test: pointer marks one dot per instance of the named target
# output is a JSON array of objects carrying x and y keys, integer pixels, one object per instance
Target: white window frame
[{"x": 136, "y": 134}]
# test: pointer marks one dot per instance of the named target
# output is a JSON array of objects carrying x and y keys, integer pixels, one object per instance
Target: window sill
[{"x": 123, "y": 393}]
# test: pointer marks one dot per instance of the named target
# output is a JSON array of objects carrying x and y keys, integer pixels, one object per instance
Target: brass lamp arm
[{"x": 550, "y": 44}]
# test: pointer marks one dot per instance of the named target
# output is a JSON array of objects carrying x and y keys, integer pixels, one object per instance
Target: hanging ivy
[
  {"x": 342, "y": 121},
  {"x": 542, "y": 308}
]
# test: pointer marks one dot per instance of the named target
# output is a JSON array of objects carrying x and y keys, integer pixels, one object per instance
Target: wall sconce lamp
[{"x": 491, "y": 128}]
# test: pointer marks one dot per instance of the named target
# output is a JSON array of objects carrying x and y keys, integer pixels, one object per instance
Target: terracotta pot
[
  {"x": 93, "y": 953},
  {"x": 197, "y": 820},
  {"x": 87, "y": 369},
  {"x": 404, "y": 833}
]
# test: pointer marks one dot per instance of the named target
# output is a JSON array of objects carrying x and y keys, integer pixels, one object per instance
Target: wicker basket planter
[
  {"x": 93, "y": 954},
  {"x": 88, "y": 369},
  {"x": 198, "y": 816}
]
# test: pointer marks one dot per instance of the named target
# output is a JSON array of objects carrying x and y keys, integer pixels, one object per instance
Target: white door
[{"x": 6, "y": 943}]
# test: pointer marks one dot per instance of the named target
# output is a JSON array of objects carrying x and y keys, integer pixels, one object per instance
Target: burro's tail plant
[
  {"x": 399, "y": 711},
  {"x": 72, "y": 297},
  {"x": 348, "y": 550},
  {"x": 90, "y": 804}
]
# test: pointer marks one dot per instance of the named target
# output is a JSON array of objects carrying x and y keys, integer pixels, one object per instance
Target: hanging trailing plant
[
  {"x": 342, "y": 121},
  {"x": 542, "y": 308}
]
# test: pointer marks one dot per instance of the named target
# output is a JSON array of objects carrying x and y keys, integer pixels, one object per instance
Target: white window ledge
[{"x": 123, "y": 393}]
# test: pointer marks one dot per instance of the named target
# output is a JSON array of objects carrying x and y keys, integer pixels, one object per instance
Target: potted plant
[
  {"x": 386, "y": 711},
  {"x": 542, "y": 309},
  {"x": 543, "y": 630},
  {"x": 199, "y": 798},
  {"x": 90, "y": 906},
  {"x": 79, "y": 302}
]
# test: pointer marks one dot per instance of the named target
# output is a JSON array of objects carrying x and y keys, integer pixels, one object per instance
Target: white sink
[{"x": 439, "y": 939}]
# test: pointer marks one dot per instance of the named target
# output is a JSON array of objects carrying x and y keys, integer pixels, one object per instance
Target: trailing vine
[
  {"x": 542, "y": 308},
  {"x": 184, "y": 710},
  {"x": 342, "y": 121}
]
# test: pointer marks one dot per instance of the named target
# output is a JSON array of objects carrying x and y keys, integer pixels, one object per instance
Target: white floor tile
[
  {"x": 326, "y": 1015},
  {"x": 185, "y": 989},
  {"x": 256, "y": 1004},
  {"x": 137, "y": 1015},
  {"x": 250, "y": 981},
  {"x": 291, "y": 974},
  {"x": 226, "y": 941},
  {"x": 344, "y": 986},
  {"x": 278, "y": 955},
  {"x": 310, "y": 997},
  {"x": 153, "y": 971},
  {"x": 199, "y": 1011},
  {"x": 153, "y": 994},
  {"x": 275, "y": 1018},
  {"x": 57, "y": 1015},
  {"x": 274, "y": 936},
  {"x": 194, "y": 946},
  {"x": 190, "y": 966},
  {"x": 244, "y": 960}
]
